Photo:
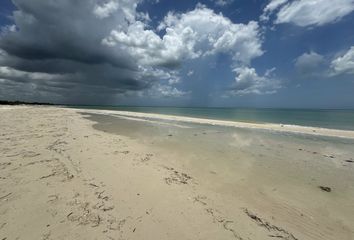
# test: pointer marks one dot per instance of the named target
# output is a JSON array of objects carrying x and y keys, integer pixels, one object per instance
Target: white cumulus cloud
[
  {"x": 106, "y": 9},
  {"x": 199, "y": 33},
  {"x": 188, "y": 36},
  {"x": 344, "y": 63},
  {"x": 247, "y": 81}
]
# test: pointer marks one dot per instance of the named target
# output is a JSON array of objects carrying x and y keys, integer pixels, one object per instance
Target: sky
[{"x": 207, "y": 53}]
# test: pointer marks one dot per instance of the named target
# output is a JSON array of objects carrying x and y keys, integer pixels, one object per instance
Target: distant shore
[
  {"x": 14, "y": 103},
  {"x": 262, "y": 126}
]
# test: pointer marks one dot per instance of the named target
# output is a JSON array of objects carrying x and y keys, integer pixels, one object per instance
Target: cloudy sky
[{"x": 245, "y": 53}]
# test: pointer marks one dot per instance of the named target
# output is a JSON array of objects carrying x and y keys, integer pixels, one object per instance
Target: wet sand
[{"x": 76, "y": 174}]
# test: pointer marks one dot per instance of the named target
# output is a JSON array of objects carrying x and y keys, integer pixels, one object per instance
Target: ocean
[{"x": 325, "y": 118}]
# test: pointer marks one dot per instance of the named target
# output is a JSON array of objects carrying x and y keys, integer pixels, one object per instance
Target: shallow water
[
  {"x": 336, "y": 119},
  {"x": 276, "y": 173}
]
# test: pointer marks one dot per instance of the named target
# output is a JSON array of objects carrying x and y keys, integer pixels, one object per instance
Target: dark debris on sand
[{"x": 325, "y": 189}]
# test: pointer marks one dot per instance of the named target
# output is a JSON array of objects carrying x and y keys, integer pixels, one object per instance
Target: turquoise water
[{"x": 337, "y": 119}]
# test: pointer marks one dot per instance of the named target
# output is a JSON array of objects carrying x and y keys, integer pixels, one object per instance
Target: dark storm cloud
[
  {"x": 92, "y": 50},
  {"x": 62, "y": 40},
  {"x": 62, "y": 30}
]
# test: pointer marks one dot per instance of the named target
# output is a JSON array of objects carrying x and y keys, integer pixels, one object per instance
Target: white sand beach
[{"x": 90, "y": 174}]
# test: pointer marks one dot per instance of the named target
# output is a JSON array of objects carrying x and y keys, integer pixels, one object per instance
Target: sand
[{"x": 64, "y": 176}]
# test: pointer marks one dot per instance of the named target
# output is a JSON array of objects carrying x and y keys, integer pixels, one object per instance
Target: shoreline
[{"x": 296, "y": 129}]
